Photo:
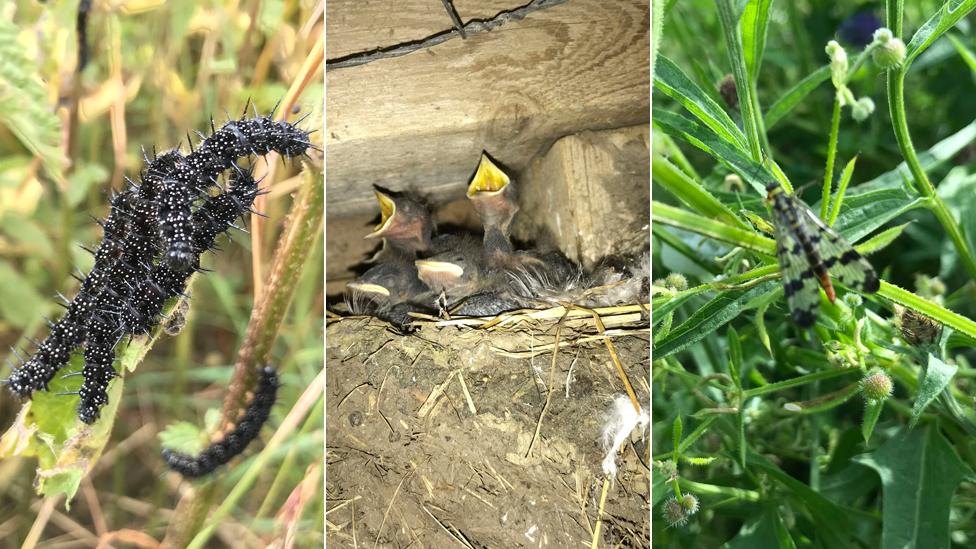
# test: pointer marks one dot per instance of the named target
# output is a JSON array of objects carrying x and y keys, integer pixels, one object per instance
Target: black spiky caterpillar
[
  {"x": 234, "y": 442},
  {"x": 195, "y": 174},
  {"x": 133, "y": 273}
]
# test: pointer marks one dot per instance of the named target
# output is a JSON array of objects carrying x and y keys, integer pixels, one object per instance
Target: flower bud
[
  {"x": 674, "y": 513},
  {"x": 690, "y": 503},
  {"x": 918, "y": 329},
  {"x": 669, "y": 469},
  {"x": 882, "y": 35},
  {"x": 862, "y": 109},
  {"x": 889, "y": 54},
  {"x": 677, "y": 281},
  {"x": 877, "y": 385},
  {"x": 726, "y": 88},
  {"x": 838, "y": 63}
]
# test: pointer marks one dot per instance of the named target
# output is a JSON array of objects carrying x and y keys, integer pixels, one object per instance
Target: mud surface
[{"x": 412, "y": 461}]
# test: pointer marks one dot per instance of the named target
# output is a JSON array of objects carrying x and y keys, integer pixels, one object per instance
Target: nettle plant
[{"x": 802, "y": 398}]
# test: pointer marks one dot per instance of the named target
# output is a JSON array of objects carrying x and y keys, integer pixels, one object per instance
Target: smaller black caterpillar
[{"x": 233, "y": 443}]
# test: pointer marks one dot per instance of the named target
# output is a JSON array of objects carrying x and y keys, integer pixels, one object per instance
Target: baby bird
[
  {"x": 405, "y": 225},
  {"x": 389, "y": 291},
  {"x": 527, "y": 274},
  {"x": 494, "y": 197},
  {"x": 456, "y": 272}
]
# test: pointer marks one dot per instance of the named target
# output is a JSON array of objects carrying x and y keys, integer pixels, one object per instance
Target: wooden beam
[
  {"x": 589, "y": 195},
  {"x": 421, "y": 120}
]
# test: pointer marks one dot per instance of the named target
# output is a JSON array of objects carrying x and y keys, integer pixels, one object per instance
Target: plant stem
[
  {"x": 302, "y": 230},
  {"x": 899, "y": 122}
]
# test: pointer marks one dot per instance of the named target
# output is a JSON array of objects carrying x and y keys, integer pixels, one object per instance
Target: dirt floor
[{"x": 431, "y": 436}]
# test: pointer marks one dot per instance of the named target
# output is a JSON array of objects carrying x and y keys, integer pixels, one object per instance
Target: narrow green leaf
[
  {"x": 967, "y": 55},
  {"x": 676, "y": 84},
  {"x": 728, "y": 16},
  {"x": 794, "y": 95},
  {"x": 676, "y": 217},
  {"x": 754, "y": 23},
  {"x": 872, "y": 411},
  {"x": 720, "y": 310},
  {"x": 845, "y": 179},
  {"x": 735, "y": 356},
  {"x": 919, "y": 472},
  {"x": 948, "y": 15},
  {"x": 937, "y": 376},
  {"x": 690, "y": 192},
  {"x": 881, "y": 240}
]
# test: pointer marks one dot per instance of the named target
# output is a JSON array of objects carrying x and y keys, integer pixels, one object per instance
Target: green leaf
[
  {"x": 937, "y": 376},
  {"x": 865, "y": 212},
  {"x": 183, "y": 436},
  {"x": 845, "y": 179},
  {"x": 705, "y": 139},
  {"x": 872, "y": 412},
  {"x": 728, "y": 16},
  {"x": 919, "y": 472},
  {"x": 48, "y": 427},
  {"x": 19, "y": 301},
  {"x": 948, "y": 15},
  {"x": 676, "y": 84},
  {"x": 967, "y": 55},
  {"x": 676, "y": 217},
  {"x": 754, "y": 23},
  {"x": 794, "y": 95},
  {"x": 764, "y": 530},
  {"x": 832, "y": 523},
  {"x": 690, "y": 192},
  {"x": 25, "y": 107},
  {"x": 720, "y": 310},
  {"x": 882, "y": 239}
]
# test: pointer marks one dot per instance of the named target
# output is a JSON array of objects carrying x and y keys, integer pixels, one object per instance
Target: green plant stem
[
  {"x": 312, "y": 422},
  {"x": 729, "y": 19},
  {"x": 302, "y": 229},
  {"x": 797, "y": 381},
  {"x": 714, "y": 490},
  {"x": 899, "y": 123},
  {"x": 831, "y": 155}
]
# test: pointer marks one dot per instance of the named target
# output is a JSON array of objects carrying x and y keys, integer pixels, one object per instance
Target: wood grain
[
  {"x": 594, "y": 188},
  {"x": 421, "y": 120},
  {"x": 355, "y": 26}
]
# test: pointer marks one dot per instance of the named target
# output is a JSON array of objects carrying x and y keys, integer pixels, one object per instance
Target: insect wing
[
  {"x": 799, "y": 281},
  {"x": 842, "y": 261}
]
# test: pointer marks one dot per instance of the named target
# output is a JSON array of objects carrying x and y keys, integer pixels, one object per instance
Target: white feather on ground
[{"x": 622, "y": 418}]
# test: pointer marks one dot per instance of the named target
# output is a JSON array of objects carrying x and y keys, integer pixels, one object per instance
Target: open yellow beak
[
  {"x": 387, "y": 211},
  {"x": 488, "y": 179}
]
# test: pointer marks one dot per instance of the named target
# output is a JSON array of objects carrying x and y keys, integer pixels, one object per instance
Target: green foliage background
[
  {"x": 767, "y": 423},
  {"x": 166, "y": 68}
]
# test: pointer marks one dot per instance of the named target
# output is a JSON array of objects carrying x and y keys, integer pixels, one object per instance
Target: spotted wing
[
  {"x": 842, "y": 261},
  {"x": 799, "y": 281}
]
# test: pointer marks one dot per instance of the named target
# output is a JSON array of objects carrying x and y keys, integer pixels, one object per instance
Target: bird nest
[{"x": 486, "y": 431}]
